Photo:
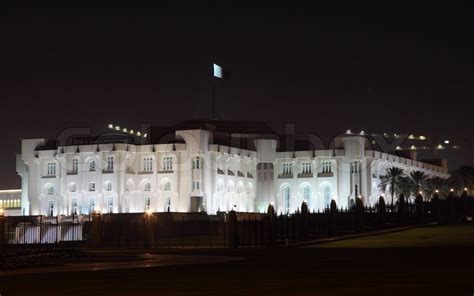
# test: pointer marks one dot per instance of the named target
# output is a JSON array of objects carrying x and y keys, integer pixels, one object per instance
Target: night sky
[{"x": 394, "y": 68}]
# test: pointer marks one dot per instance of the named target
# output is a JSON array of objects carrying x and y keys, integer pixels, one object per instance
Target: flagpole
[{"x": 213, "y": 107}]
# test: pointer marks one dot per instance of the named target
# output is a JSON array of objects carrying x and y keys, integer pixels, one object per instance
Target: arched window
[
  {"x": 286, "y": 198},
  {"x": 147, "y": 187},
  {"x": 108, "y": 186},
  {"x": 50, "y": 190},
  {"x": 167, "y": 186},
  {"x": 327, "y": 195},
  {"x": 307, "y": 192}
]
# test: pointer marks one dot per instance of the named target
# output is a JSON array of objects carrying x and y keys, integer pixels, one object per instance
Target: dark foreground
[{"x": 430, "y": 261}]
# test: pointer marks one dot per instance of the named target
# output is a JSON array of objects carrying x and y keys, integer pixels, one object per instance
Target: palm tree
[
  {"x": 391, "y": 180},
  {"x": 439, "y": 184},
  {"x": 404, "y": 186},
  {"x": 462, "y": 177},
  {"x": 419, "y": 182}
]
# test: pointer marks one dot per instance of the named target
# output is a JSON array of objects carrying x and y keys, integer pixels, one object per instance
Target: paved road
[{"x": 144, "y": 261}]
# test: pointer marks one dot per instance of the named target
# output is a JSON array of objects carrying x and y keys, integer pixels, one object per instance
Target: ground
[{"x": 424, "y": 261}]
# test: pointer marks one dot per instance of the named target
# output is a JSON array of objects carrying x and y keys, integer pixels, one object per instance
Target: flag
[{"x": 217, "y": 71}]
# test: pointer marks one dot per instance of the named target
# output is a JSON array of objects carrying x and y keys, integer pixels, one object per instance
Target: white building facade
[{"x": 197, "y": 174}]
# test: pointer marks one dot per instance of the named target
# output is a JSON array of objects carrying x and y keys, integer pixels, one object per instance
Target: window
[
  {"x": 92, "y": 204},
  {"x": 286, "y": 197},
  {"x": 167, "y": 186},
  {"x": 110, "y": 163},
  {"x": 73, "y": 187},
  {"x": 356, "y": 190},
  {"x": 148, "y": 164},
  {"x": 110, "y": 205},
  {"x": 50, "y": 190},
  {"x": 51, "y": 169},
  {"x": 147, "y": 187},
  {"x": 92, "y": 166},
  {"x": 92, "y": 186},
  {"x": 196, "y": 185},
  {"x": 327, "y": 167},
  {"x": 51, "y": 208},
  {"x": 355, "y": 167},
  {"x": 74, "y": 206},
  {"x": 197, "y": 163},
  {"x": 75, "y": 165},
  {"x": 287, "y": 169},
  {"x": 168, "y": 163},
  {"x": 327, "y": 195},
  {"x": 307, "y": 168},
  {"x": 108, "y": 186},
  {"x": 307, "y": 193},
  {"x": 147, "y": 203},
  {"x": 167, "y": 203}
]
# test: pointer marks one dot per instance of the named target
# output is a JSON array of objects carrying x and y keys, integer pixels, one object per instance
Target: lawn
[
  {"x": 443, "y": 266},
  {"x": 430, "y": 236}
]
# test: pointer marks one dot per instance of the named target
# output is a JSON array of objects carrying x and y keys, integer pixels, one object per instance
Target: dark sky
[{"x": 395, "y": 67}]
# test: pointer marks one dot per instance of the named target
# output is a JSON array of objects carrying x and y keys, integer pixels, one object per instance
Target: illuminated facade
[{"x": 197, "y": 173}]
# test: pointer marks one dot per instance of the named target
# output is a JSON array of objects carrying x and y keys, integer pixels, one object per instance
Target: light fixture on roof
[
  {"x": 145, "y": 135},
  {"x": 411, "y": 137},
  {"x": 139, "y": 134},
  {"x": 437, "y": 191},
  {"x": 422, "y": 138},
  {"x": 413, "y": 147},
  {"x": 398, "y": 148},
  {"x": 446, "y": 141},
  {"x": 117, "y": 127},
  {"x": 362, "y": 133},
  {"x": 348, "y": 132},
  {"x": 111, "y": 125},
  {"x": 440, "y": 146}
]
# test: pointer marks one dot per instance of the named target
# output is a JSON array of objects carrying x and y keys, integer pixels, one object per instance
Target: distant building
[
  {"x": 10, "y": 202},
  {"x": 207, "y": 166}
]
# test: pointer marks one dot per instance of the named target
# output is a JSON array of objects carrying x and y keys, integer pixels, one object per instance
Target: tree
[
  {"x": 404, "y": 186},
  {"x": 462, "y": 178},
  {"x": 439, "y": 184},
  {"x": 391, "y": 180},
  {"x": 419, "y": 181}
]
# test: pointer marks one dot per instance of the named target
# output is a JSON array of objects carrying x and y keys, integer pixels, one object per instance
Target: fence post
[
  {"x": 2, "y": 229},
  {"x": 233, "y": 236},
  {"x": 96, "y": 230}
]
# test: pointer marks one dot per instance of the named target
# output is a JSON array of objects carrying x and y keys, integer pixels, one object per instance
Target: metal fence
[{"x": 194, "y": 230}]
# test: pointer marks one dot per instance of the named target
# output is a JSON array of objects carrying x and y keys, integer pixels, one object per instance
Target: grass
[
  {"x": 443, "y": 265},
  {"x": 431, "y": 236}
]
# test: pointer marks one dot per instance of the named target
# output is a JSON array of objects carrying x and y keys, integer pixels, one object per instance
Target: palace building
[{"x": 209, "y": 166}]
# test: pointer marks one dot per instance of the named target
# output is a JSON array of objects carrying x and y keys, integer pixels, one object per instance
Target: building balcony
[
  {"x": 145, "y": 172},
  {"x": 166, "y": 172},
  {"x": 49, "y": 176},
  {"x": 72, "y": 173},
  {"x": 305, "y": 175},
  {"x": 285, "y": 176},
  {"x": 107, "y": 171},
  {"x": 325, "y": 175}
]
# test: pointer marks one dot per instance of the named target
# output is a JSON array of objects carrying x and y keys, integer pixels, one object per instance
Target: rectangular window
[
  {"x": 307, "y": 168},
  {"x": 110, "y": 205},
  {"x": 75, "y": 165},
  {"x": 74, "y": 206},
  {"x": 51, "y": 169},
  {"x": 92, "y": 186},
  {"x": 148, "y": 164},
  {"x": 92, "y": 166},
  {"x": 92, "y": 205},
  {"x": 168, "y": 163},
  {"x": 110, "y": 163},
  {"x": 147, "y": 203},
  {"x": 51, "y": 208}
]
